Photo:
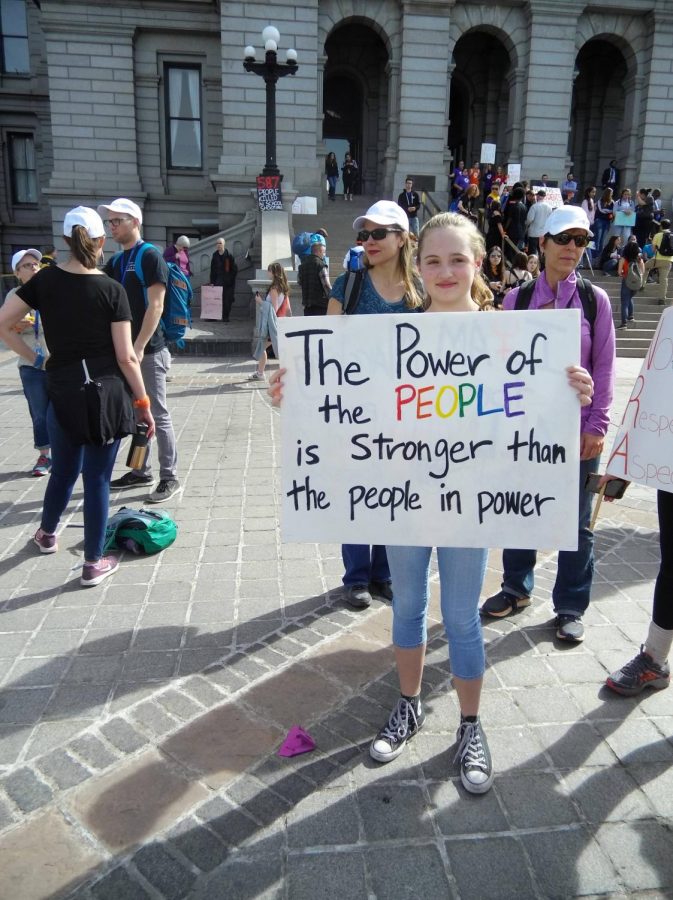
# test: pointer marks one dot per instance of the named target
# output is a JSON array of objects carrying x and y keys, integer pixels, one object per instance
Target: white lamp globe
[
  {"x": 249, "y": 52},
  {"x": 271, "y": 33},
  {"x": 291, "y": 56}
]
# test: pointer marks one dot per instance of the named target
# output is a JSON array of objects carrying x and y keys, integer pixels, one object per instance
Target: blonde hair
[
  {"x": 84, "y": 248},
  {"x": 413, "y": 298},
  {"x": 480, "y": 291},
  {"x": 536, "y": 258},
  {"x": 279, "y": 279}
]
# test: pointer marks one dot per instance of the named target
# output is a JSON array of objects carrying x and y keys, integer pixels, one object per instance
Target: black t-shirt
[
  {"x": 155, "y": 271},
  {"x": 76, "y": 313},
  {"x": 515, "y": 220}
]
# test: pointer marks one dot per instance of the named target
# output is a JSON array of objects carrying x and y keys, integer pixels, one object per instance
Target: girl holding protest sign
[{"x": 450, "y": 253}]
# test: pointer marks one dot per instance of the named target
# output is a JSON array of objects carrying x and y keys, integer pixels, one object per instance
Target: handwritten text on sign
[
  {"x": 268, "y": 192},
  {"x": 643, "y": 447},
  {"x": 453, "y": 429}
]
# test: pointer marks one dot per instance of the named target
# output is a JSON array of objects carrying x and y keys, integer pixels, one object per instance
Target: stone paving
[{"x": 139, "y": 721}]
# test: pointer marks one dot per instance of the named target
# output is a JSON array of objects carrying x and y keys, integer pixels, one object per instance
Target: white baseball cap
[
  {"x": 18, "y": 256},
  {"x": 125, "y": 206},
  {"x": 86, "y": 217},
  {"x": 384, "y": 212},
  {"x": 566, "y": 217}
]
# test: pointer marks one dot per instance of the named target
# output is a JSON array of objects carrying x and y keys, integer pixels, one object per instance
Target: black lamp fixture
[{"x": 270, "y": 70}]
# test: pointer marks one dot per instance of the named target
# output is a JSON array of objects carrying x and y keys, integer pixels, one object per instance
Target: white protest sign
[
  {"x": 643, "y": 448},
  {"x": 513, "y": 173},
  {"x": 453, "y": 429},
  {"x": 487, "y": 154},
  {"x": 553, "y": 195}
]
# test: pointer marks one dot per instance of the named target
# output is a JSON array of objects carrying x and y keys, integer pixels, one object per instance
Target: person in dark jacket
[
  {"x": 313, "y": 278},
  {"x": 223, "y": 271},
  {"x": 410, "y": 203}
]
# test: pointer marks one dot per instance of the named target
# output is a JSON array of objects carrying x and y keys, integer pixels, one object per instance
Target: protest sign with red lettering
[{"x": 643, "y": 448}]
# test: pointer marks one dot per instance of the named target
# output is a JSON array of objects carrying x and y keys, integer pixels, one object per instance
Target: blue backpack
[
  {"x": 301, "y": 244},
  {"x": 355, "y": 260},
  {"x": 176, "y": 317}
]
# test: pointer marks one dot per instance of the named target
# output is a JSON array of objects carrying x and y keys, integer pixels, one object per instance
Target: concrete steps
[
  {"x": 336, "y": 217},
  {"x": 634, "y": 340}
]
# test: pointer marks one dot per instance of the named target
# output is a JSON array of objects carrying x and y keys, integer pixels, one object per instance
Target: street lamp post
[{"x": 270, "y": 70}]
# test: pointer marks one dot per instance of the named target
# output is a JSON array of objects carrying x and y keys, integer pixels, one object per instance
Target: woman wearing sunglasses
[
  {"x": 388, "y": 286},
  {"x": 567, "y": 235}
]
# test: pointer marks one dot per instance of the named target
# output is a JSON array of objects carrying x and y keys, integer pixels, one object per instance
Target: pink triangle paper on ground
[{"x": 297, "y": 741}]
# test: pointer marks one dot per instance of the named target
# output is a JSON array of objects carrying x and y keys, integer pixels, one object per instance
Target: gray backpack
[{"x": 634, "y": 280}]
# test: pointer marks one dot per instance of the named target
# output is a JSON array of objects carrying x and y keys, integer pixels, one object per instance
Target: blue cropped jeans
[
  {"x": 95, "y": 464},
  {"x": 461, "y": 575},
  {"x": 34, "y": 382},
  {"x": 574, "y": 569}
]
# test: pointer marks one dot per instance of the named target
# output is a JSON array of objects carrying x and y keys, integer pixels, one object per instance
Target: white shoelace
[
  {"x": 398, "y": 723},
  {"x": 471, "y": 749}
]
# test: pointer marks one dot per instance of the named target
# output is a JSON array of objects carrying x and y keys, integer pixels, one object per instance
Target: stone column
[
  {"x": 423, "y": 91},
  {"x": 549, "y": 87},
  {"x": 654, "y": 155},
  {"x": 516, "y": 79},
  {"x": 319, "y": 103},
  {"x": 390, "y": 156},
  {"x": 633, "y": 108},
  {"x": 448, "y": 158}
]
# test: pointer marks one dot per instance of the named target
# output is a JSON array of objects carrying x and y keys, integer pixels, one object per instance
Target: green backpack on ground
[{"x": 140, "y": 531}]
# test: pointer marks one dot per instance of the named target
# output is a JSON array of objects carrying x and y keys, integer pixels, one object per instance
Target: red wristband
[{"x": 143, "y": 403}]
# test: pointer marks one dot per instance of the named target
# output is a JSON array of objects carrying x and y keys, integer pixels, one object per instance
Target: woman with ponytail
[{"x": 92, "y": 375}]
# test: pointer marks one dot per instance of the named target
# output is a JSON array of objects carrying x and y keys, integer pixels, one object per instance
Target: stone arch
[
  {"x": 359, "y": 50},
  {"x": 607, "y": 129},
  {"x": 483, "y": 60}
]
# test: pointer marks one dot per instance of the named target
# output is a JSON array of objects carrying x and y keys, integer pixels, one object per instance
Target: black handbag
[{"x": 93, "y": 411}]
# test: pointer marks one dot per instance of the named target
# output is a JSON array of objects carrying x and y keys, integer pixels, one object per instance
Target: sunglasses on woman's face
[
  {"x": 378, "y": 234},
  {"x": 581, "y": 240}
]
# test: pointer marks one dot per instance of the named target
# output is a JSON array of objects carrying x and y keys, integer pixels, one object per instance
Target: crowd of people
[
  {"x": 514, "y": 219},
  {"x": 95, "y": 337}
]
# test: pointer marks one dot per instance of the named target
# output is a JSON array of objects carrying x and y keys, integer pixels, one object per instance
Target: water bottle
[{"x": 139, "y": 447}]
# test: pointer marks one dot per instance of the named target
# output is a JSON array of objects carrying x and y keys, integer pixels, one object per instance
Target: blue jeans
[
  {"x": 364, "y": 564},
  {"x": 332, "y": 179},
  {"x": 600, "y": 229},
  {"x": 34, "y": 383},
  {"x": 574, "y": 569},
  {"x": 461, "y": 575},
  {"x": 95, "y": 464},
  {"x": 626, "y": 297}
]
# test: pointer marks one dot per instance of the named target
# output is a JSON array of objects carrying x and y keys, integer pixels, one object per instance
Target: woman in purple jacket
[{"x": 567, "y": 234}]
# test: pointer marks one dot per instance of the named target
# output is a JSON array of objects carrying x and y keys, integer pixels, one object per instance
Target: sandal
[{"x": 503, "y": 604}]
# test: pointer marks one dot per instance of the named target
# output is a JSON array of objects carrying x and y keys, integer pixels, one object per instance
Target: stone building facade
[{"x": 150, "y": 100}]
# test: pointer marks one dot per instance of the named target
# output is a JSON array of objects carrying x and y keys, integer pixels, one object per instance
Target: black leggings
[{"x": 662, "y": 612}]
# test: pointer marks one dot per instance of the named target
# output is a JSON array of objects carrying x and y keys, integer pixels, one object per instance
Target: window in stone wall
[
  {"x": 22, "y": 168},
  {"x": 14, "y": 33},
  {"x": 183, "y": 116}
]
